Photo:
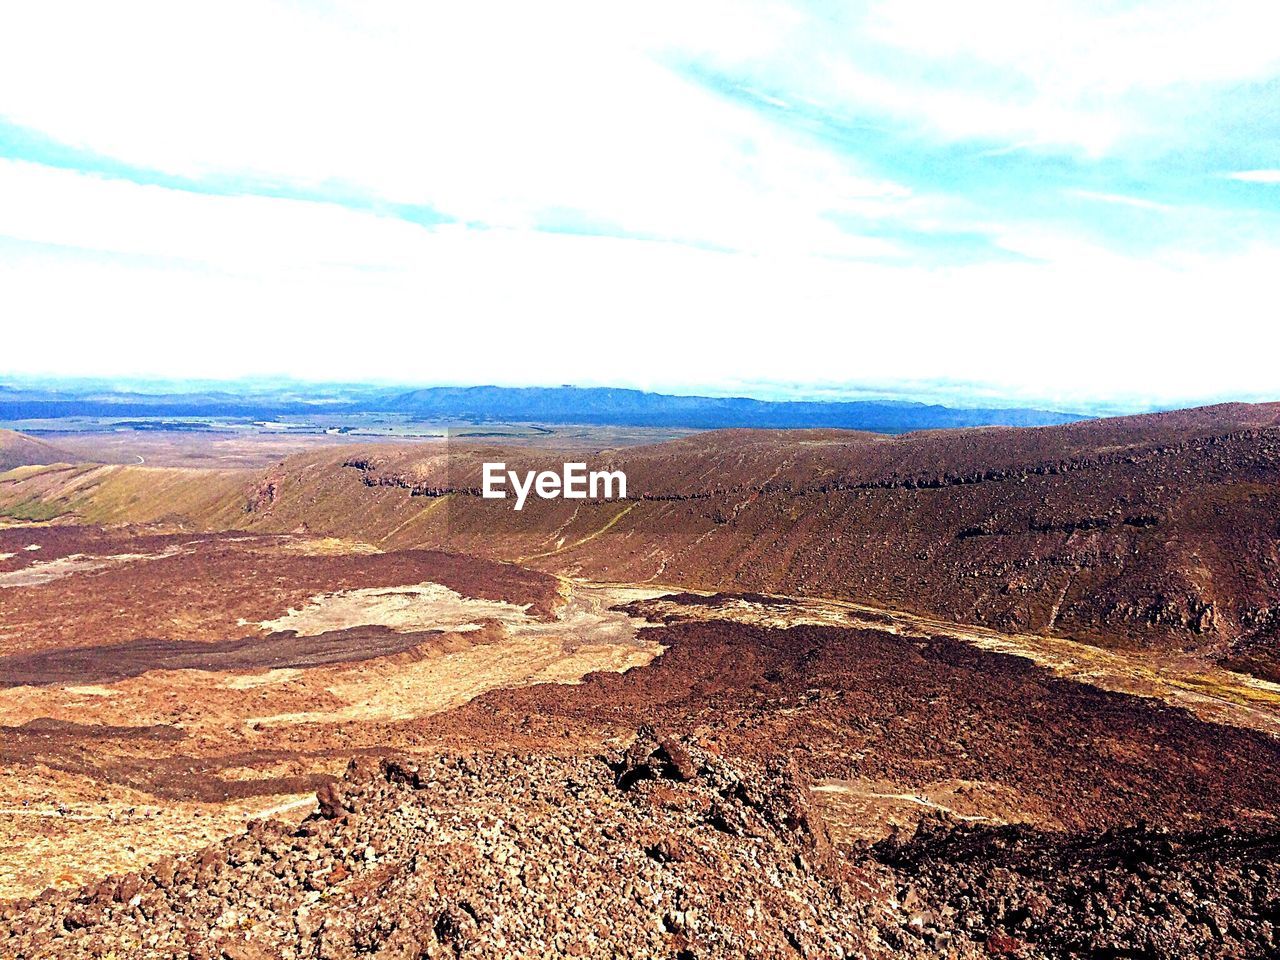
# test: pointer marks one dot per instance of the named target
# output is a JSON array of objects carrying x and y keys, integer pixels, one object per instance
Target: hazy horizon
[{"x": 954, "y": 395}]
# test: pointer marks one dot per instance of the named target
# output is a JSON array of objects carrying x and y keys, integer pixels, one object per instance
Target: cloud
[
  {"x": 1069, "y": 49},
  {"x": 42, "y": 205},
  {"x": 1073, "y": 74},
  {"x": 200, "y": 287},
  {"x": 1138, "y": 203},
  {"x": 1256, "y": 176},
  {"x": 730, "y": 192},
  {"x": 502, "y": 117},
  {"x": 1082, "y": 77}
]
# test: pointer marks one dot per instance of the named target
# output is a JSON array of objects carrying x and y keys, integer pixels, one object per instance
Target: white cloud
[
  {"x": 1039, "y": 73},
  {"x": 352, "y": 296},
  {"x": 1074, "y": 49},
  {"x": 1118, "y": 199},
  {"x": 508, "y": 115},
  {"x": 45, "y": 205},
  {"x": 1256, "y": 176}
]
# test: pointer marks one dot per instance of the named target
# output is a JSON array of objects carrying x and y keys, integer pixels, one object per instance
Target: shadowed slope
[{"x": 19, "y": 450}]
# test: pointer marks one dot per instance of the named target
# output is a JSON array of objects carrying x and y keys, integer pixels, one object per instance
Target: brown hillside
[
  {"x": 19, "y": 450},
  {"x": 546, "y": 766},
  {"x": 1157, "y": 531}
]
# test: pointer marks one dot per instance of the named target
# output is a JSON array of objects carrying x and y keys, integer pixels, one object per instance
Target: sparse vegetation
[{"x": 33, "y": 510}]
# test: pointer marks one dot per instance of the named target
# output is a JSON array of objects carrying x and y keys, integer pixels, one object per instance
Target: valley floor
[{"x": 490, "y": 744}]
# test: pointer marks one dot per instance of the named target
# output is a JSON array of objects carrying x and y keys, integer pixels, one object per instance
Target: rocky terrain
[
  {"x": 962, "y": 694},
  {"x": 485, "y": 855},
  {"x": 1134, "y": 892},
  {"x": 1155, "y": 532},
  {"x": 661, "y": 850},
  {"x": 151, "y": 697},
  {"x": 753, "y": 791}
]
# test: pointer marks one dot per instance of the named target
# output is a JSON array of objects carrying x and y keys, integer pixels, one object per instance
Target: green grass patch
[{"x": 33, "y": 509}]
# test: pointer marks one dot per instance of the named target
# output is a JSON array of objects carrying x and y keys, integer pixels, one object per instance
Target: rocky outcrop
[
  {"x": 1139, "y": 892},
  {"x": 489, "y": 855},
  {"x": 492, "y": 855}
]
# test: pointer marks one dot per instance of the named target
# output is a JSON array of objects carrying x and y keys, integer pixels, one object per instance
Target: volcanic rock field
[{"x": 969, "y": 693}]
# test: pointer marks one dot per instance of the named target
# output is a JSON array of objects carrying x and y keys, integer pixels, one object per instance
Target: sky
[{"x": 1066, "y": 204}]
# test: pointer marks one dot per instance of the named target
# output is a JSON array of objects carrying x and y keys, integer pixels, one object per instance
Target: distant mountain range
[
  {"x": 559, "y": 405},
  {"x": 635, "y": 408}
]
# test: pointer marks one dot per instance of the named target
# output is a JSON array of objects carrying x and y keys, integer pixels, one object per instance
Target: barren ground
[
  {"x": 231, "y": 675},
  {"x": 159, "y": 736},
  {"x": 162, "y": 685}
]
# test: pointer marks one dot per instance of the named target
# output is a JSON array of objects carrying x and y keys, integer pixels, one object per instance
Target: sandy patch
[
  {"x": 408, "y": 609},
  {"x": 586, "y": 636},
  {"x": 250, "y": 681},
  {"x": 71, "y": 829},
  {"x": 326, "y": 547},
  {"x": 397, "y": 691},
  {"x": 90, "y": 690},
  {"x": 50, "y": 570},
  {"x": 870, "y": 810},
  {"x": 484, "y": 645}
]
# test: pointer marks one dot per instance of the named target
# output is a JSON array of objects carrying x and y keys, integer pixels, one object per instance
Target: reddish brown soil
[
  {"x": 551, "y": 840},
  {"x": 153, "y": 759},
  {"x": 281, "y": 650},
  {"x": 213, "y": 585},
  {"x": 57, "y": 542},
  {"x": 1156, "y": 531},
  {"x": 530, "y": 823},
  {"x": 861, "y": 704}
]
